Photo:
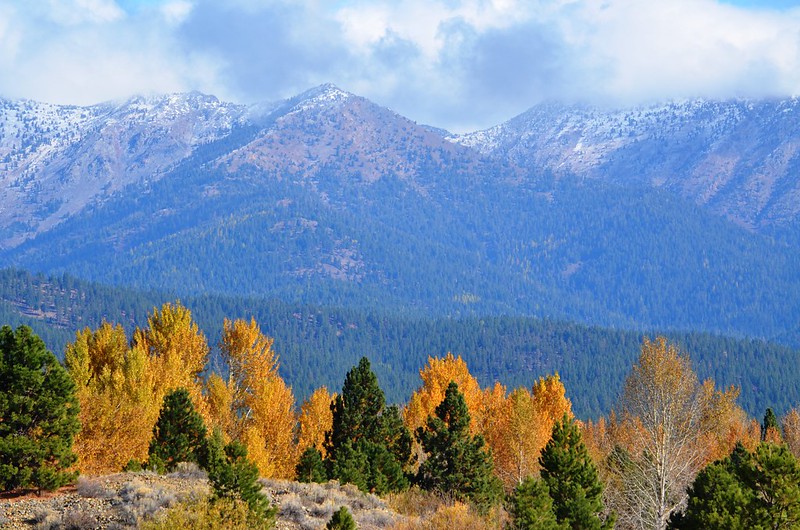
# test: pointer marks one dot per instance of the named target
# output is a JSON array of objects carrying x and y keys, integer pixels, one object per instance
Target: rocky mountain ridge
[
  {"x": 56, "y": 160},
  {"x": 327, "y": 198},
  {"x": 738, "y": 158}
]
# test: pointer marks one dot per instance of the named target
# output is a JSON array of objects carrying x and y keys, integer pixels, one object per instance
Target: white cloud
[
  {"x": 73, "y": 12},
  {"x": 176, "y": 12},
  {"x": 452, "y": 63}
]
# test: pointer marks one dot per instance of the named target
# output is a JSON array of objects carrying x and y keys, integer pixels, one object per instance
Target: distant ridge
[{"x": 679, "y": 216}]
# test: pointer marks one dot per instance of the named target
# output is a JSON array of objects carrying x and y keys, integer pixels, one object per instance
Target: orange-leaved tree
[
  {"x": 436, "y": 377},
  {"x": 528, "y": 423},
  {"x": 262, "y": 415},
  {"x": 723, "y": 422},
  {"x": 316, "y": 418},
  {"x": 118, "y": 407},
  {"x": 178, "y": 352},
  {"x": 791, "y": 431}
]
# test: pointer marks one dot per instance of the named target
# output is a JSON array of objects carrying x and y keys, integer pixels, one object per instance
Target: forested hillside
[
  {"x": 329, "y": 199},
  {"x": 317, "y": 345}
]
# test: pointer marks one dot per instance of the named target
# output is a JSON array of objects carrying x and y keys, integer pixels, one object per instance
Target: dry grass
[
  {"x": 310, "y": 506},
  {"x": 429, "y": 511}
]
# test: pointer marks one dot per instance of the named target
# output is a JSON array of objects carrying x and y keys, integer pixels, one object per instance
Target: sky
[{"x": 458, "y": 64}]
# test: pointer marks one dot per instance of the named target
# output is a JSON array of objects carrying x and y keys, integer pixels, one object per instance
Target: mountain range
[{"x": 677, "y": 216}]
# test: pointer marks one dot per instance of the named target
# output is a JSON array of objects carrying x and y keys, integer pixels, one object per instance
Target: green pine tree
[
  {"x": 363, "y": 447},
  {"x": 179, "y": 432},
  {"x": 341, "y": 520},
  {"x": 457, "y": 462},
  {"x": 770, "y": 423},
  {"x": 356, "y": 410},
  {"x": 233, "y": 476},
  {"x": 396, "y": 436},
  {"x": 531, "y": 507},
  {"x": 571, "y": 479},
  {"x": 39, "y": 414},
  {"x": 310, "y": 467},
  {"x": 759, "y": 490}
]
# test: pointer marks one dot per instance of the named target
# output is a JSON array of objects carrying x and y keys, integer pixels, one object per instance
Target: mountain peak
[{"x": 326, "y": 95}]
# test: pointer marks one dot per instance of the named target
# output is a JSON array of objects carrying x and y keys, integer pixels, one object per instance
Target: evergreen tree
[
  {"x": 571, "y": 479},
  {"x": 770, "y": 426},
  {"x": 364, "y": 447},
  {"x": 457, "y": 462},
  {"x": 396, "y": 436},
  {"x": 759, "y": 490},
  {"x": 357, "y": 409},
  {"x": 38, "y": 414},
  {"x": 311, "y": 468},
  {"x": 233, "y": 476},
  {"x": 179, "y": 432},
  {"x": 341, "y": 520},
  {"x": 531, "y": 507}
]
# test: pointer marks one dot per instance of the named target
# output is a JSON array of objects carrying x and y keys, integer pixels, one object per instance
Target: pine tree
[
  {"x": 357, "y": 409},
  {"x": 233, "y": 476},
  {"x": 571, "y": 479},
  {"x": 363, "y": 447},
  {"x": 341, "y": 520},
  {"x": 311, "y": 468},
  {"x": 746, "y": 490},
  {"x": 38, "y": 414},
  {"x": 457, "y": 463},
  {"x": 395, "y": 435},
  {"x": 179, "y": 432},
  {"x": 770, "y": 428},
  {"x": 531, "y": 507}
]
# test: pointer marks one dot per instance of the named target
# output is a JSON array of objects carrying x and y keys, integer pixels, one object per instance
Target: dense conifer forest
[{"x": 318, "y": 344}]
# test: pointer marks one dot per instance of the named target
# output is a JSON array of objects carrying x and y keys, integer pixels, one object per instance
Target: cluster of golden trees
[
  {"x": 666, "y": 427},
  {"x": 121, "y": 385}
]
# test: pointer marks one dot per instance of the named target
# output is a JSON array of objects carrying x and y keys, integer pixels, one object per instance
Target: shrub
[
  {"x": 205, "y": 514},
  {"x": 133, "y": 465},
  {"x": 91, "y": 488},
  {"x": 341, "y": 519}
]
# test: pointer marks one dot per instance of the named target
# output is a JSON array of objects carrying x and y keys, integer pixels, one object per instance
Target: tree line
[{"x": 675, "y": 451}]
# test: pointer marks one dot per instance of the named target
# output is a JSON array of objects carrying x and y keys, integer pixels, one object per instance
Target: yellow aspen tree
[
  {"x": 436, "y": 376},
  {"x": 494, "y": 427},
  {"x": 219, "y": 406},
  {"x": 115, "y": 391},
  {"x": 550, "y": 403},
  {"x": 316, "y": 418},
  {"x": 791, "y": 431},
  {"x": 523, "y": 442},
  {"x": 263, "y": 406},
  {"x": 722, "y": 423},
  {"x": 178, "y": 352}
]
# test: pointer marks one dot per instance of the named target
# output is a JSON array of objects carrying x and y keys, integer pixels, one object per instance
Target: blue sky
[{"x": 458, "y": 64}]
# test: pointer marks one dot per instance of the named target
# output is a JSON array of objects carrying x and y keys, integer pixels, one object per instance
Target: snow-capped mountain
[
  {"x": 56, "y": 160},
  {"x": 741, "y": 159},
  {"x": 329, "y": 198}
]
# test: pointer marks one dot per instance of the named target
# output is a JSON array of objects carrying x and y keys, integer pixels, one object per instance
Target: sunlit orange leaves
[
  {"x": 435, "y": 378},
  {"x": 262, "y": 406},
  {"x": 316, "y": 418}
]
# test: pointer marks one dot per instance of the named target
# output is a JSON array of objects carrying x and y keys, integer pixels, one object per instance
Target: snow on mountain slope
[
  {"x": 56, "y": 160},
  {"x": 739, "y": 158}
]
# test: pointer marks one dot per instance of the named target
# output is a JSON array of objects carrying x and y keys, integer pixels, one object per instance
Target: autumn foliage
[{"x": 667, "y": 426}]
